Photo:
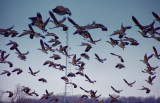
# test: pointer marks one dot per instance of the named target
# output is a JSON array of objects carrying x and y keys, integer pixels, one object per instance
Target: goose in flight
[
  {"x": 65, "y": 79},
  {"x": 86, "y": 56},
  {"x": 10, "y": 93},
  {"x": 61, "y": 67},
  {"x": 143, "y": 28},
  {"x": 89, "y": 80},
  {"x": 13, "y": 33},
  {"x": 6, "y": 72},
  {"x": 113, "y": 42},
  {"x": 87, "y": 91},
  {"x": 14, "y": 45},
  {"x": 79, "y": 73},
  {"x": 93, "y": 95},
  {"x": 145, "y": 88},
  {"x": 6, "y": 30},
  {"x": 55, "y": 42},
  {"x": 58, "y": 23},
  {"x": 88, "y": 46},
  {"x": 123, "y": 44},
  {"x": 120, "y": 57},
  {"x": 18, "y": 70},
  {"x": 43, "y": 80},
  {"x": 75, "y": 60},
  {"x": 99, "y": 59},
  {"x": 52, "y": 34},
  {"x": 21, "y": 55},
  {"x": 71, "y": 74},
  {"x": 60, "y": 10},
  {"x": 131, "y": 40},
  {"x": 114, "y": 99},
  {"x": 156, "y": 53},
  {"x": 55, "y": 57},
  {"x": 156, "y": 16},
  {"x": 33, "y": 93},
  {"x": 117, "y": 91},
  {"x": 47, "y": 95},
  {"x": 148, "y": 71},
  {"x": 9, "y": 63},
  {"x": 95, "y": 25},
  {"x": 119, "y": 66},
  {"x": 150, "y": 79},
  {"x": 38, "y": 22},
  {"x": 129, "y": 84},
  {"x": 3, "y": 57},
  {"x": 26, "y": 89},
  {"x": 146, "y": 58},
  {"x": 43, "y": 49},
  {"x": 31, "y": 32},
  {"x": 33, "y": 73}
]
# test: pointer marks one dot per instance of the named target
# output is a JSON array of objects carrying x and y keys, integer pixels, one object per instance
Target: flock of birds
[{"x": 148, "y": 31}]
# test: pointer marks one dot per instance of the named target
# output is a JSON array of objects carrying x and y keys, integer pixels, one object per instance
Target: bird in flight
[
  {"x": 129, "y": 84},
  {"x": 117, "y": 91},
  {"x": 99, "y": 59},
  {"x": 33, "y": 73},
  {"x": 89, "y": 80}
]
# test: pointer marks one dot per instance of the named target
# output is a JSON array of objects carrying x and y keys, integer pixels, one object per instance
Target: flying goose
[
  {"x": 84, "y": 90},
  {"x": 129, "y": 84},
  {"x": 52, "y": 34},
  {"x": 3, "y": 57},
  {"x": 86, "y": 56},
  {"x": 6, "y": 30},
  {"x": 43, "y": 80},
  {"x": 146, "y": 58},
  {"x": 75, "y": 60},
  {"x": 65, "y": 79},
  {"x": 99, "y": 59},
  {"x": 21, "y": 55},
  {"x": 88, "y": 46},
  {"x": 10, "y": 93},
  {"x": 48, "y": 47},
  {"x": 89, "y": 80},
  {"x": 120, "y": 57},
  {"x": 113, "y": 42},
  {"x": 156, "y": 53},
  {"x": 33, "y": 93},
  {"x": 26, "y": 89},
  {"x": 156, "y": 16},
  {"x": 47, "y": 95},
  {"x": 150, "y": 79},
  {"x": 131, "y": 40},
  {"x": 79, "y": 73},
  {"x": 13, "y": 33},
  {"x": 14, "y": 45},
  {"x": 18, "y": 70},
  {"x": 58, "y": 23},
  {"x": 10, "y": 63},
  {"x": 123, "y": 44},
  {"x": 148, "y": 71},
  {"x": 117, "y": 91},
  {"x": 43, "y": 49},
  {"x": 38, "y": 22},
  {"x": 145, "y": 88},
  {"x": 119, "y": 66},
  {"x": 114, "y": 99},
  {"x": 55, "y": 42},
  {"x": 60, "y": 10},
  {"x": 55, "y": 57},
  {"x": 6, "y": 72},
  {"x": 93, "y": 95},
  {"x": 33, "y": 73},
  {"x": 95, "y": 25},
  {"x": 71, "y": 74},
  {"x": 61, "y": 67}
]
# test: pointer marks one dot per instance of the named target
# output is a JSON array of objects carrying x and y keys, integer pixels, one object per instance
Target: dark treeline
[{"x": 77, "y": 99}]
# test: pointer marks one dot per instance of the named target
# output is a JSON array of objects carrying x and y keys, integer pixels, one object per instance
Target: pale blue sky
[{"x": 112, "y": 14}]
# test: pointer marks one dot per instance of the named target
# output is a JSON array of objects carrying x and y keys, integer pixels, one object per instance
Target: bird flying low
[
  {"x": 89, "y": 80},
  {"x": 129, "y": 84}
]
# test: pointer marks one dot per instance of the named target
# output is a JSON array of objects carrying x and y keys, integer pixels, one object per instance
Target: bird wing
[
  {"x": 71, "y": 21},
  {"x": 125, "y": 81},
  {"x": 53, "y": 17},
  {"x": 87, "y": 77},
  {"x": 156, "y": 16},
  {"x": 42, "y": 45},
  {"x": 46, "y": 22},
  {"x": 31, "y": 70},
  {"x": 155, "y": 51}
]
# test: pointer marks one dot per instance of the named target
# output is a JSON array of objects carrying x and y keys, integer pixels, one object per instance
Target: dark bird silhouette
[
  {"x": 150, "y": 79},
  {"x": 43, "y": 80},
  {"x": 58, "y": 23},
  {"x": 14, "y": 45},
  {"x": 60, "y": 10},
  {"x": 129, "y": 84},
  {"x": 10, "y": 93},
  {"x": 47, "y": 95},
  {"x": 86, "y": 56},
  {"x": 156, "y": 53},
  {"x": 6, "y": 72},
  {"x": 156, "y": 16},
  {"x": 114, "y": 99},
  {"x": 18, "y": 70},
  {"x": 43, "y": 49},
  {"x": 145, "y": 88},
  {"x": 117, "y": 91},
  {"x": 89, "y": 80},
  {"x": 120, "y": 57},
  {"x": 87, "y": 91},
  {"x": 99, "y": 59},
  {"x": 65, "y": 79},
  {"x": 38, "y": 22},
  {"x": 33, "y": 73},
  {"x": 146, "y": 59},
  {"x": 119, "y": 66},
  {"x": 21, "y": 55},
  {"x": 113, "y": 42}
]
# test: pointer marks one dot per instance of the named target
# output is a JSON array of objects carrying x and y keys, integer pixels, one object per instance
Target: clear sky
[{"x": 110, "y": 13}]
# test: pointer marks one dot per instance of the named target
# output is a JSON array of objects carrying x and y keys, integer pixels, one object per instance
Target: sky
[{"x": 110, "y": 13}]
